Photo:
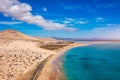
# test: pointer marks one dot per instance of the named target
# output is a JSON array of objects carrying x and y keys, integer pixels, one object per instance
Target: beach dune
[
  {"x": 19, "y": 53},
  {"x": 23, "y": 57}
]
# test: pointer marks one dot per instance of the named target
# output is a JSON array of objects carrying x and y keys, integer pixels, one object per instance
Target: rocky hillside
[{"x": 19, "y": 53}]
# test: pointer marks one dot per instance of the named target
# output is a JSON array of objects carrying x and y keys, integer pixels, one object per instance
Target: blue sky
[{"x": 62, "y": 18}]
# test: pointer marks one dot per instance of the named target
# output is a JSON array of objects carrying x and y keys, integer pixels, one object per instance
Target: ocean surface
[{"x": 93, "y": 62}]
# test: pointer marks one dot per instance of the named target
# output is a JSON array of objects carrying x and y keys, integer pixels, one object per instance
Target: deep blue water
[{"x": 93, "y": 62}]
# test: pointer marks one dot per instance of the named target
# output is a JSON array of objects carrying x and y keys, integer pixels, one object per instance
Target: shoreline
[
  {"x": 57, "y": 64},
  {"x": 49, "y": 72},
  {"x": 23, "y": 62}
]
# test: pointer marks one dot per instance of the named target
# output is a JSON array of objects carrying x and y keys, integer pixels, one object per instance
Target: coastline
[
  {"x": 60, "y": 67},
  {"x": 24, "y": 62},
  {"x": 58, "y": 73},
  {"x": 49, "y": 71}
]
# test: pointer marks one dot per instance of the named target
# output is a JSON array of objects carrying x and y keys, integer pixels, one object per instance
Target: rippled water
[{"x": 93, "y": 62}]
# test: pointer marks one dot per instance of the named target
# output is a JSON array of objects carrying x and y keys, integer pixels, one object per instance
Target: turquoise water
[{"x": 93, "y": 62}]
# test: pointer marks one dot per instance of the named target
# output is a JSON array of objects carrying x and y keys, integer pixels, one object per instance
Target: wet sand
[
  {"x": 51, "y": 70},
  {"x": 23, "y": 53},
  {"x": 57, "y": 71},
  {"x": 93, "y": 62}
]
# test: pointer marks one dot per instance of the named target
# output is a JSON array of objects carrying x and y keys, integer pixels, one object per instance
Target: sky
[{"x": 62, "y": 18}]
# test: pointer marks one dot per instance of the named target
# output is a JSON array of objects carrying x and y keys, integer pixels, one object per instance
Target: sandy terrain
[
  {"x": 19, "y": 54},
  {"x": 23, "y": 57},
  {"x": 47, "y": 70}
]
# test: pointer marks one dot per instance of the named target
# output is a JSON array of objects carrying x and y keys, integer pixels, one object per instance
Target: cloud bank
[
  {"x": 111, "y": 31},
  {"x": 22, "y": 11},
  {"x": 9, "y": 23},
  {"x": 44, "y": 9}
]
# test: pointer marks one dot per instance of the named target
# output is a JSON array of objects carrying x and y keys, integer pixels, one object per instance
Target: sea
[{"x": 92, "y": 62}]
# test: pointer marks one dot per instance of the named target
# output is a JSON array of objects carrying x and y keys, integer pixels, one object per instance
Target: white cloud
[
  {"x": 9, "y": 23},
  {"x": 108, "y": 27},
  {"x": 44, "y": 9},
  {"x": 69, "y": 19},
  {"x": 99, "y": 19},
  {"x": 108, "y": 31},
  {"x": 78, "y": 21},
  {"x": 67, "y": 22},
  {"x": 81, "y": 21},
  {"x": 22, "y": 12}
]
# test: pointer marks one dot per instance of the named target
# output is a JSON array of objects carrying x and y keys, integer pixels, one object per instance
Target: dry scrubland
[{"x": 19, "y": 53}]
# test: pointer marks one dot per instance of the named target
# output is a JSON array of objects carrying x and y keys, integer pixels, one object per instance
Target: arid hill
[
  {"x": 20, "y": 53},
  {"x": 12, "y": 34}
]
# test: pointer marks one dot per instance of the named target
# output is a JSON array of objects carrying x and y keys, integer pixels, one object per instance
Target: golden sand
[{"x": 22, "y": 55}]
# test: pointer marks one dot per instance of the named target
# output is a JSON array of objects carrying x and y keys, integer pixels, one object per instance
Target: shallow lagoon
[{"x": 93, "y": 62}]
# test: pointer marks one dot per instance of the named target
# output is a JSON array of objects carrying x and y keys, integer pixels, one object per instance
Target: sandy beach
[
  {"x": 22, "y": 57},
  {"x": 20, "y": 54},
  {"x": 49, "y": 71},
  {"x": 58, "y": 39},
  {"x": 51, "y": 68},
  {"x": 30, "y": 58}
]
